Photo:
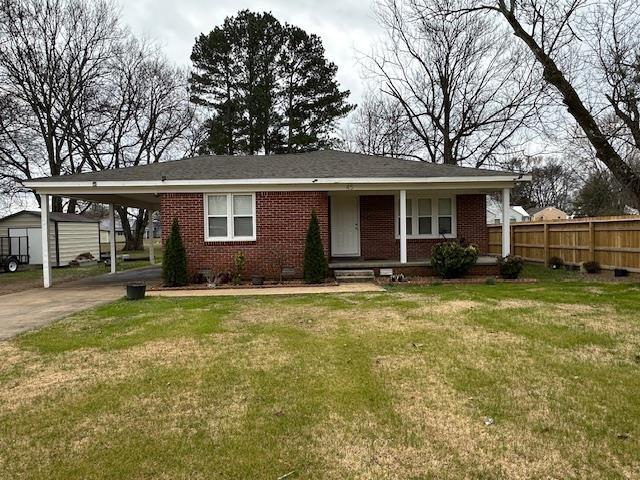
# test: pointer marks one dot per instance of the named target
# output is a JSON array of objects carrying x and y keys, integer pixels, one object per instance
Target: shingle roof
[{"x": 318, "y": 164}]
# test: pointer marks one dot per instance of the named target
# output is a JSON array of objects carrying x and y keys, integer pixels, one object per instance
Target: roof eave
[{"x": 289, "y": 182}]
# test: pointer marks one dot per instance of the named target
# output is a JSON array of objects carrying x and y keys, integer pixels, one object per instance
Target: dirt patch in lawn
[{"x": 86, "y": 367}]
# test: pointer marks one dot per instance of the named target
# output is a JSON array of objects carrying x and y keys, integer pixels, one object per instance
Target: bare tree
[
  {"x": 51, "y": 52},
  {"x": 553, "y": 182},
  {"x": 465, "y": 91},
  {"x": 583, "y": 48},
  {"x": 379, "y": 126},
  {"x": 137, "y": 115}
]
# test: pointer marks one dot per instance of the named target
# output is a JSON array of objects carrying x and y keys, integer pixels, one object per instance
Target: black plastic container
[
  {"x": 620, "y": 272},
  {"x": 136, "y": 291}
]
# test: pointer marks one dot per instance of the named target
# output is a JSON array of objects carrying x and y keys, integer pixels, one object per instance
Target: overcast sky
[{"x": 345, "y": 26}]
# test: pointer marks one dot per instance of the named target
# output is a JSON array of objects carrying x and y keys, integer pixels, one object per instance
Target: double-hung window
[
  {"x": 230, "y": 216},
  {"x": 428, "y": 217}
]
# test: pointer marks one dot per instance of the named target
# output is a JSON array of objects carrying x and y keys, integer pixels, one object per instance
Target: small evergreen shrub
[
  {"x": 510, "y": 266},
  {"x": 556, "y": 262},
  {"x": 239, "y": 262},
  {"x": 453, "y": 260},
  {"x": 591, "y": 267},
  {"x": 174, "y": 262},
  {"x": 315, "y": 263},
  {"x": 490, "y": 281}
]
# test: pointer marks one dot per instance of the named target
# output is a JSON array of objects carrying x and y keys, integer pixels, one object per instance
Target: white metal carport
[{"x": 145, "y": 200}]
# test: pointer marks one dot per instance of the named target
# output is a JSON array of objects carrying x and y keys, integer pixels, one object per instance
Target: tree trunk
[{"x": 133, "y": 237}]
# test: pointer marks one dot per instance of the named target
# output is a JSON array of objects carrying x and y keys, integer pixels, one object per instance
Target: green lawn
[{"x": 390, "y": 385}]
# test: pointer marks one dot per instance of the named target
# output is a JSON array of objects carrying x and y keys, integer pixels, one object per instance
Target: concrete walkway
[{"x": 239, "y": 292}]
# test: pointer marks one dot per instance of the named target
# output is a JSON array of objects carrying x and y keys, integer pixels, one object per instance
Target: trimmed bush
[
  {"x": 239, "y": 262},
  {"x": 315, "y": 263},
  {"x": 556, "y": 262},
  {"x": 453, "y": 260},
  {"x": 510, "y": 266},
  {"x": 591, "y": 267},
  {"x": 174, "y": 261}
]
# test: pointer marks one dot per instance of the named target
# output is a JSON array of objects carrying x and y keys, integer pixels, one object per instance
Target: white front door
[{"x": 345, "y": 226}]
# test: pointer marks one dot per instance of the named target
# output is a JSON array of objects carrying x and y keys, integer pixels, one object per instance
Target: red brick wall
[
  {"x": 377, "y": 224},
  {"x": 282, "y": 219}
]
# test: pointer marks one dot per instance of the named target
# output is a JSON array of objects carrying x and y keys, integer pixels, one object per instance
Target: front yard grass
[{"x": 392, "y": 385}]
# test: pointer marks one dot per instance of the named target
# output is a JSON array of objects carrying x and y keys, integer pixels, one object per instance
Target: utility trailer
[{"x": 14, "y": 251}]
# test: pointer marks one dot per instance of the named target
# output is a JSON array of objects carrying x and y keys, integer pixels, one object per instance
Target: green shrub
[
  {"x": 510, "y": 266},
  {"x": 174, "y": 262},
  {"x": 556, "y": 262},
  {"x": 591, "y": 267},
  {"x": 452, "y": 260},
  {"x": 490, "y": 281},
  {"x": 239, "y": 261},
  {"x": 315, "y": 263}
]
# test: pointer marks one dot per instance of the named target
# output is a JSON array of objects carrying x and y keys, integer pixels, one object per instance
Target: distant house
[
  {"x": 494, "y": 212},
  {"x": 70, "y": 235},
  {"x": 154, "y": 228},
  {"x": 547, "y": 213}
]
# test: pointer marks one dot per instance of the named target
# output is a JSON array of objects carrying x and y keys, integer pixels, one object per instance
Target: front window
[
  {"x": 428, "y": 217},
  {"x": 230, "y": 216}
]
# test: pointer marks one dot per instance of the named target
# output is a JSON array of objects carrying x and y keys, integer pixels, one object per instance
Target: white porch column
[
  {"x": 403, "y": 226},
  {"x": 152, "y": 251},
  {"x": 506, "y": 222},
  {"x": 46, "y": 256},
  {"x": 112, "y": 238}
]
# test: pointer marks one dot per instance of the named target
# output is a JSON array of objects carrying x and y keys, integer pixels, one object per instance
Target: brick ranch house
[{"x": 261, "y": 205}]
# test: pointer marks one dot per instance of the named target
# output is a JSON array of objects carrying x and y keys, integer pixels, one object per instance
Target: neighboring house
[
  {"x": 494, "y": 212},
  {"x": 386, "y": 212},
  {"x": 154, "y": 229},
  {"x": 547, "y": 213},
  {"x": 69, "y": 235}
]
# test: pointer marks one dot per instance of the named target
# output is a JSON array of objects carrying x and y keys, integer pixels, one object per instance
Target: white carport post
[
  {"x": 506, "y": 222},
  {"x": 112, "y": 238},
  {"x": 403, "y": 226},
  {"x": 46, "y": 257},
  {"x": 152, "y": 252}
]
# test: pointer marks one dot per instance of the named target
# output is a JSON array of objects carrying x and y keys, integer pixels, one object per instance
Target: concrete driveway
[{"x": 37, "y": 307}]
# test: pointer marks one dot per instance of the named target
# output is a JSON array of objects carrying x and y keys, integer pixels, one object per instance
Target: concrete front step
[{"x": 354, "y": 276}]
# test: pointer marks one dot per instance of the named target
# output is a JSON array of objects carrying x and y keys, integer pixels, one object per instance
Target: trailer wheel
[{"x": 11, "y": 265}]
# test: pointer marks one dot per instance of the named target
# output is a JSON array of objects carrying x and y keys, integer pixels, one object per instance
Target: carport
[{"x": 107, "y": 192}]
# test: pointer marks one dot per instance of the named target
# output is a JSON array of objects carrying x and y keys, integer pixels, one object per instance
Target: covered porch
[{"x": 398, "y": 229}]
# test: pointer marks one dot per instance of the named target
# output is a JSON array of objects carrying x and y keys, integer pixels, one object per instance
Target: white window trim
[
  {"x": 434, "y": 217},
  {"x": 230, "y": 237}
]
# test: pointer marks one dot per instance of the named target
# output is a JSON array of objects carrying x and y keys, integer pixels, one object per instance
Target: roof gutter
[{"x": 106, "y": 184}]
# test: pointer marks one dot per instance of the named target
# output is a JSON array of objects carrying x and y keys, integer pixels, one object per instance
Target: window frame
[
  {"x": 435, "y": 216},
  {"x": 230, "y": 237}
]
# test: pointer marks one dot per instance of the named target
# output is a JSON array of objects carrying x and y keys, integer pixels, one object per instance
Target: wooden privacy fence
[{"x": 614, "y": 242}]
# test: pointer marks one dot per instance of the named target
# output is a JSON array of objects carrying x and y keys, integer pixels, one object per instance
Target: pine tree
[
  {"x": 174, "y": 262},
  {"x": 315, "y": 263},
  {"x": 267, "y": 85}
]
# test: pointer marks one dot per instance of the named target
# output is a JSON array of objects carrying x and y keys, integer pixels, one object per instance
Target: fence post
[
  {"x": 592, "y": 241},
  {"x": 546, "y": 244}
]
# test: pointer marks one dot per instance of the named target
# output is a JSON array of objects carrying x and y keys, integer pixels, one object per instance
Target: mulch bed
[
  {"x": 230, "y": 286},
  {"x": 454, "y": 281}
]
